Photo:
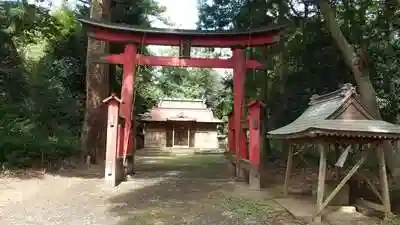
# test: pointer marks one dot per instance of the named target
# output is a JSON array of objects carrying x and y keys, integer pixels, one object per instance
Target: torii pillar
[{"x": 239, "y": 73}]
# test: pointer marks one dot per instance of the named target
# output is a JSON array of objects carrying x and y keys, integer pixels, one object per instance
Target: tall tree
[
  {"x": 97, "y": 88},
  {"x": 359, "y": 65}
]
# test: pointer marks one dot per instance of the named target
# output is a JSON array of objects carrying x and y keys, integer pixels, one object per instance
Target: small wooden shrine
[
  {"x": 181, "y": 123},
  {"x": 339, "y": 117}
]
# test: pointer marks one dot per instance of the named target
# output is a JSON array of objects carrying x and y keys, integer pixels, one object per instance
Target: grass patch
[{"x": 245, "y": 209}]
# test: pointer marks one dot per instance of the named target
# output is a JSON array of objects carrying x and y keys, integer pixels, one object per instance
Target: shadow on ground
[
  {"x": 192, "y": 189},
  {"x": 184, "y": 190}
]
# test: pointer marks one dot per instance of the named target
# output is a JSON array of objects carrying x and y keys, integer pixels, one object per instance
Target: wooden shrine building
[
  {"x": 340, "y": 118},
  {"x": 181, "y": 123}
]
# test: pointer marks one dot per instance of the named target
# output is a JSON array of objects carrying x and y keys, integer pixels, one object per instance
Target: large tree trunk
[
  {"x": 93, "y": 136},
  {"x": 361, "y": 75}
]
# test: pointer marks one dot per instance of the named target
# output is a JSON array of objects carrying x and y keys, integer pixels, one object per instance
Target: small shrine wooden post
[{"x": 112, "y": 170}]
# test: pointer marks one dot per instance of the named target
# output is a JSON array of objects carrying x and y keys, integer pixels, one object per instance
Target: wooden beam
[
  {"x": 222, "y": 41},
  {"x": 288, "y": 168},
  {"x": 107, "y": 58},
  {"x": 384, "y": 181},
  {"x": 321, "y": 180},
  {"x": 342, "y": 183},
  {"x": 172, "y": 61},
  {"x": 371, "y": 205},
  {"x": 373, "y": 187}
]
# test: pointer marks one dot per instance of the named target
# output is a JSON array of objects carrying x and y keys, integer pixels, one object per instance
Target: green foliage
[{"x": 42, "y": 78}]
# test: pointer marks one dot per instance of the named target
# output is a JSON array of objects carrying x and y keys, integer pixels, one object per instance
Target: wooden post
[
  {"x": 231, "y": 135},
  {"x": 254, "y": 143},
  {"x": 342, "y": 183},
  {"x": 239, "y": 71},
  {"x": 127, "y": 94},
  {"x": 112, "y": 172},
  {"x": 321, "y": 178},
  {"x": 384, "y": 181},
  {"x": 288, "y": 173},
  {"x": 188, "y": 145},
  {"x": 173, "y": 134}
]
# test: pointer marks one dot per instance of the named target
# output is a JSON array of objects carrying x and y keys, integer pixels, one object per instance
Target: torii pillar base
[{"x": 254, "y": 179}]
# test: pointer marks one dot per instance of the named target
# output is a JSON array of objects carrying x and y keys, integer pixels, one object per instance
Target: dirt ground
[{"x": 170, "y": 190}]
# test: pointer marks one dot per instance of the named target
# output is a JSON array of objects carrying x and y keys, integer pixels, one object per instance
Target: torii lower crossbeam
[{"x": 172, "y": 61}]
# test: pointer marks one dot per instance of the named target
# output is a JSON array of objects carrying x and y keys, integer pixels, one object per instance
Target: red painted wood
[
  {"x": 231, "y": 134},
  {"x": 175, "y": 39},
  {"x": 254, "y": 110},
  {"x": 115, "y": 58},
  {"x": 120, "y": 148},
  {"x": 194, "y": 62},
  {"x": 127, "y": 137},
  {"x": 239, "y": 72},
  {"x": 128, "y": 84},
  {"x": 178, "y": 62}
]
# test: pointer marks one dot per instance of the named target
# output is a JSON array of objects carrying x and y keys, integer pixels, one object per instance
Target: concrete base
[
  {"x": 243, "y": 174},
  {"x": 130, "y": 170},
  {"x": 232, "y": 169},
  {"x": 254, "y": 179},
  {"x": 303, "y": 208}
]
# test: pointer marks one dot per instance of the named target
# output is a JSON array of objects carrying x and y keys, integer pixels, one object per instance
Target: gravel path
[{"x": 175, "y": 190}]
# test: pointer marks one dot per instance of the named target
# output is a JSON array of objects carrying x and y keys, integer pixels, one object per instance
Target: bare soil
[{"x": 170, "y": 190}]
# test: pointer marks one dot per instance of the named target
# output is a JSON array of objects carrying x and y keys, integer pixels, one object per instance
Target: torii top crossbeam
[{"x": 174, "y": 37}]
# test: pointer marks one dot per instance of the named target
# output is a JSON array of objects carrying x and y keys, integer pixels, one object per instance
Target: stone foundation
[{"x": 254, "y": 179}]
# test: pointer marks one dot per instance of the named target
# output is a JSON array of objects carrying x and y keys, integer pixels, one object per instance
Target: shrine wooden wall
[{"x": 202, "y": 135}]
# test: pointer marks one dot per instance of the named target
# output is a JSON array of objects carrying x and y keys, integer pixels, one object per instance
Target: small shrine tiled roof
[
  {"x": 180, "y": 110},
  {"x": 339, "y": 113}
]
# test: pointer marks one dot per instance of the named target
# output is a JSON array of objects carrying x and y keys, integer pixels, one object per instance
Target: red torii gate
[{"x": 119, "y": 143}]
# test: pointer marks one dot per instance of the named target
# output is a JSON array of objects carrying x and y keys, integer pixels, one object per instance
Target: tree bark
[
  {"x": 361, "y": 75},
  {"x": 93, "y": 137}
]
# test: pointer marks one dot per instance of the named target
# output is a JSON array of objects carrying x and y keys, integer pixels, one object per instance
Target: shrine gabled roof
[
  {"x": 339, "y": 113},
  {"x": 184, "y": 32},
  {"x": 180, "y": 110}
]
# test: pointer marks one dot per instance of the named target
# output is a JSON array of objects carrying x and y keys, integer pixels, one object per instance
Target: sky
[{"x": 182, "y": 13}]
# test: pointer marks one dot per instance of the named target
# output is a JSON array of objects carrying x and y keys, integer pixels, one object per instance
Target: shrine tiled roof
[
  {"x": 339, "y": 113},
  {"x": 180, "y": 110}
]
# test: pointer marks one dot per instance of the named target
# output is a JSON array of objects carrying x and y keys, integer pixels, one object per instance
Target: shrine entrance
[
  {"x": 120, "y": 135},
  {"x": 181, "y": 134}
]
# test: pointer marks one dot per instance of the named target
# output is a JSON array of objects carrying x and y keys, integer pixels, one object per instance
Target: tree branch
[{"x": 344, "y": 46}]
